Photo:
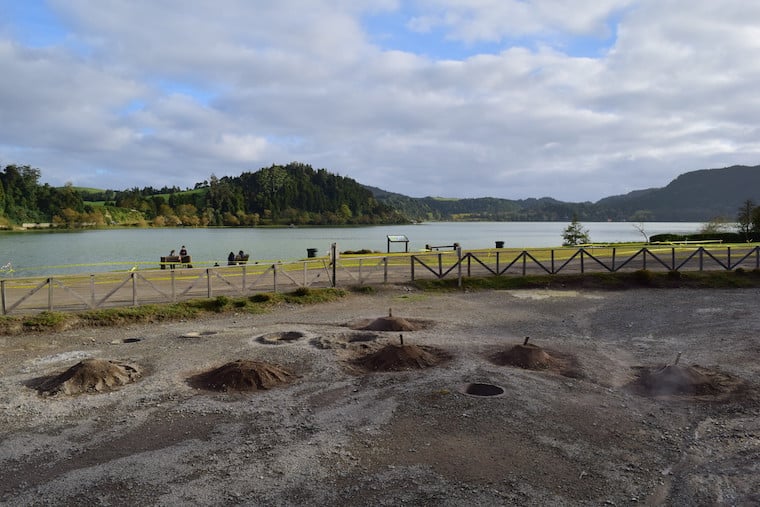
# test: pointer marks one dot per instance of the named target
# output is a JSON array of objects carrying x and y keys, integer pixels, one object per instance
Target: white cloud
[{"x": 166, "y": 93}]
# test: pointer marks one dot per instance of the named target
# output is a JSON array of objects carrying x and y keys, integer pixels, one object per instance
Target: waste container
[
  {"x": 311, "y": 252},
  {"x": 499, "y": 244}
]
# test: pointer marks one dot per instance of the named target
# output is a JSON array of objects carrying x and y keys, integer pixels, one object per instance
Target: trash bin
[
  {"x": 499, "y": 244},
  {"x": 311, "y": 252}
]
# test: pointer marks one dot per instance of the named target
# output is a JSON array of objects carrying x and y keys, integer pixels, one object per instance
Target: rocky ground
[{"x": 335, "y": 433}]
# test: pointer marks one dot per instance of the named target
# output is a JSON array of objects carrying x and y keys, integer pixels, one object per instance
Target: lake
[{"x": 47, "y": 252}]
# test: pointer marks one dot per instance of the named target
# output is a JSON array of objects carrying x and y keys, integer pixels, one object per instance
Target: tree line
[{"x": 292, "y": 194}]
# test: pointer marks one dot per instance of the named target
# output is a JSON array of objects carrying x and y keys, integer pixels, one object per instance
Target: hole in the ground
[
  {"x": 284, "y": 337},
  {"x": 478, "y": 389}
]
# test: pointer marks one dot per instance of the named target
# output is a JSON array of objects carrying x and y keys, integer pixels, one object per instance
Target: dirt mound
[
  {"x": 89, "y": 376},
  {"x": 241, "y": 375},
  {"x": 528, "y": 356},
  {"x": 673, "y": 379},
  {"x": 395, "y": 357},
  {"x": 533, "y": 357},
  {"x": 390, "y": 323}
]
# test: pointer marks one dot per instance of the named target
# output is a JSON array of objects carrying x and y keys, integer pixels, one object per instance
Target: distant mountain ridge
[{"x": 694, "y": 196}]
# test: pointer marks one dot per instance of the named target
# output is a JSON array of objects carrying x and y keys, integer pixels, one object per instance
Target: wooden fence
[{"x": 113, "y": 289}]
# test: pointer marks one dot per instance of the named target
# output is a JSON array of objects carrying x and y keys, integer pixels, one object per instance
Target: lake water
[{"x": 44, "y": 252}]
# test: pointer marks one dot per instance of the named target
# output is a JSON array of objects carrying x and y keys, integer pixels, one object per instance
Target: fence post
[
  {"x": 385, "y": 269},
  {"x": 701, "y": 255},
  {"x": 208, "y": 283},
  {"x": 459, "y": 265},
  {"x": 334, "y": 250},
  {"x": 134, "y": 289},
  {"x": 497, "y": 262},
  {"x": 174, "y": 286},
  {"x": 673, "y": 257},
  {"x": 728, "y": 257},
  {"x": 469, "y": 263},
  {"x": 411, "y": 259},
  {"x": 614, "y": 251},
  {"x": 524, "y": 259},
  {"x": 242, "y": 289},
  {"x": 582, "y": 251},
  {"x": 92, "y": 290},
  {"x": 644, "y": 256},
  {"x": 553, "y": 272},
  {"x": 361, "y": 281},
  {"x": 304, "y": 273},
  {"x": 440, "y": 264},
  {"x": 274, "y": 277},
  {"x": 2, "y": 295}
]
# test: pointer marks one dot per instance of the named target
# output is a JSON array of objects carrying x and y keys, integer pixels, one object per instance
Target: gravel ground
[{"x": 338, "y": 435}]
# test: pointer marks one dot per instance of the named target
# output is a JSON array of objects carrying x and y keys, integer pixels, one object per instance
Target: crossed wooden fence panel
[{"x": 143, "y": 287}]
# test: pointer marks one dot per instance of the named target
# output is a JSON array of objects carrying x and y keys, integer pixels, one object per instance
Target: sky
[{"x": 571, "y": 99}]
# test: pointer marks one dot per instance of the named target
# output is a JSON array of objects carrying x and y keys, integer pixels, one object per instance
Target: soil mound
[
  {"x": 395, "y": 357},
  {"x": 90, "y": 376},
  {"x": 528, "y": 356},
  {"x": 673, "y": 379},
  {"x": 241, "y": 375},
  {"x": 533, "y": 357},
  {"x": 390, "y": 324}
]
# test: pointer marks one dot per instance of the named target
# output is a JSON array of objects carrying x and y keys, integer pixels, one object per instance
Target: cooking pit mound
[
  {"x": 686, "y": 381},
  {"x": 398, "y": 357},
  {"x": 533, "y": 357},
  {"x": 241, "y": 375},
  {"x": 89, "y": 376}
]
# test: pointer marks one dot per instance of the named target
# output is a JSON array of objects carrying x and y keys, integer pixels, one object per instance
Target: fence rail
[{"x": 114, "y": 289}]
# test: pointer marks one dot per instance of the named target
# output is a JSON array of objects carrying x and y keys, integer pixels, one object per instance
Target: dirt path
[{"x": 337, "y": 434}]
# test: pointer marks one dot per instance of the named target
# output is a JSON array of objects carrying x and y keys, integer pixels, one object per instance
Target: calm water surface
[{"x": 35, "y": 253}]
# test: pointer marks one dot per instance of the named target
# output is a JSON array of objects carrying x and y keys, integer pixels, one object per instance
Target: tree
[
  {"x": 744, "y": 218},
  {"x": 575, "y": 234},
  {"x": 640, "y": 228}
]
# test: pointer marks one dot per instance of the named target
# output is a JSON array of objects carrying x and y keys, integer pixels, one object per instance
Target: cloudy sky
[{"x": 572, "y": 99}]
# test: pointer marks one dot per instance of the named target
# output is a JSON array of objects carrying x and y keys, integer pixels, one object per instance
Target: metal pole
[
  {"x": 274, "y": 277},
  {"x": 134, "y": 289},
  {"x": 50, "y": 294},
  {"x": 92, "y": 291},
  {"x": 385, "y": 269},
  {"x": 208, "y": 282}
]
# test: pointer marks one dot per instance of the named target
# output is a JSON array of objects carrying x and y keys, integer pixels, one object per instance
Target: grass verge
[{"x": 146, "y": 314}]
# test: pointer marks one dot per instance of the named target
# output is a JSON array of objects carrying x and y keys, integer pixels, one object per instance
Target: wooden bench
[
  {"x": 173, "y": 260},
  {"x": 439, "y": 247}
]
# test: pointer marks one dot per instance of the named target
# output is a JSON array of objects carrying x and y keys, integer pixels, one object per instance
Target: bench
[
  {"x": 173, "y": 260},
  {"x": 439, "y": 247}
]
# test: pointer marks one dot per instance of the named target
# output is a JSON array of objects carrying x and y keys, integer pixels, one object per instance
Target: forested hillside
[
  {"x": 291, "y": 194},
  {"x": 300, "y": 195}
]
